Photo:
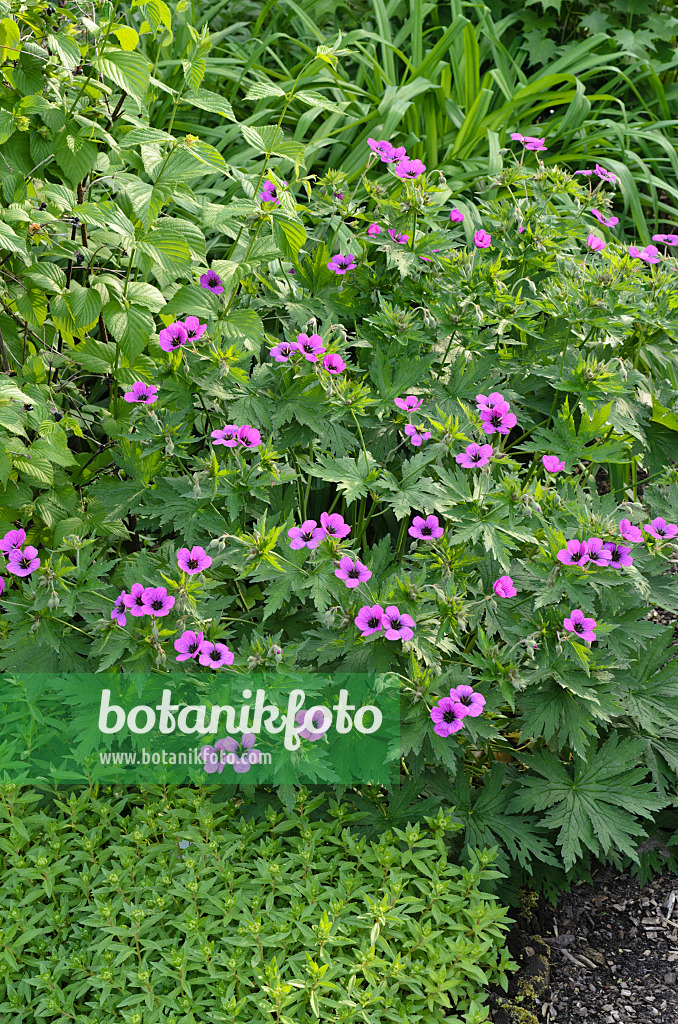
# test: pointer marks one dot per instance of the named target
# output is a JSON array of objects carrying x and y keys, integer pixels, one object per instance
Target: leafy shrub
[{"x": 128, "y": 907}]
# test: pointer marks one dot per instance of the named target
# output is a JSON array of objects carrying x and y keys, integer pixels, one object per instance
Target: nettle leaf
[
  {"x": 212, "y": 101},
  {"x": 130, "y": 71},
  {"x": 131, "y": 326},
  {"x": 289, "y": 237},
  {"x": 76, "y": 311},
  {"x": 74, "y": 152}
]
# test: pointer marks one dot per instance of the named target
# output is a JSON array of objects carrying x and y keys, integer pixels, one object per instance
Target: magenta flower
[
  {"x": 428, "y": 259},
  {"x": 23, "y": 562},
  {"x": 308, "y": 535},
  {"x": 605, "y": 175},
  {"x": 2, "y": 584},
  {"x": 475, "y": 456},
  {"x": 609, "y": 222},
  {"x": 12, "y": 539},
  {"x": 341, "y": 264},
  {"x": 447, "y": 716},
  {"x": 374, "y": 229},
  {"x": 310, "y": 346},
  {"x": 650, "y": 254},
  {"x": 469, "y": 698},
  {"x": 386, "y": 152},
  {"x": 369, "y": 619},
  {"x": 283, "y": 350},
  {"x": 498, "y": 419},
  {"x": 134, "y": 601},
  {"x": 552, "y": 464},
  {"x": 417, "y": 434},
  {"x": 482, "y": 239},
  {"x": 456, "y": 216},
  {"x": 248, "y": 437},
  {"x": 157, "y": 601},
  {"x": 598, "y": 552},
  {"x": 269, "y": 194},
  {"x": 333, "y": 363},
  {"x": 491, "y": 402},
  {"x": 425, "y": 529},
  {"x": 408, "y": 404},
  {"x": 215, "y": 756},
  {"x": 503, "y": 587},
  {"x": 173, "y": 337},
  {"x": 193, "y": 561},
  {"x": 397, "y": 625},
  {"x": 318, "y": 723},
  {"x": 595, "y": 243},
  {"x": 658, "y": 528},
  {"x": 579, "y": 624},
  {"x": 334, "y": 526},
  {"x": 352, "y": 573},
  {"x": 146, "y": 393},
  {"x": 400, "y": 239},
  {"x": 215, "y": 654},
  {"x": 410, "y": 169},
  {"x": 586, "y": 173},
  {"x": 619, "y": 555},
  {"x": 630, "y": 532},
  {"x": 666, "y": 239},
  {"x": 520, "y": 229},
  {"x": 212, "y": 282},
  {"x": 530, "y": 142},
  {"x": 194, "y": 329},
  {"x": 575, "y": 552},
  {"x": 227, "y": 436},
  {"x": 188, "y": 644},
  {"x": 241, "y": 756},
  {"x": 118, "y": 610}
]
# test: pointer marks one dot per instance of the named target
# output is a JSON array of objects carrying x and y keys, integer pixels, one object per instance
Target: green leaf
[
  {"x": 289, "y": 237},
  {"x": 131, "y": 327},
  {"x": 7, "y": 125},
  {"x": 212, "y": 101},
  {"x": 10, "y": 241},
  {"x": 67, "y": 49},
  {"x": 128, "y": 70},
  {"x": 143, "y": 136},
  {"x": 73, "y": 152},
  {"x": 10, "y": 37}
]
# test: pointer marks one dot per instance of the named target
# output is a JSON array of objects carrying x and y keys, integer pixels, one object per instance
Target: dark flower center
[
  {"x": 192, "y": 563},
  {"x": 157, "y": 604},
  {"x": 450, "y": 716},
  {"x": 193, "y": 647},
  {"x": 139, "y": 600},
  {"x": 373, "y": 622},
  {"x": 191, "y": 332},
  {"x": 394, "y": 623},
  {"x": 213, "y": 279},
  {"x": 308, "y": 535},
  {"x": 426, "y": 531},
  {"x": 578, "y": 627},
  {"x": 353, "y": 573},
  {"x": 616, "y": 556},
  {"x": 660, "y": 530},
  {"x": 467, "y": 699},
  {"x": 496, "y": 419},
  {"x": 576, "y": 555},
  {"x": 215, "y": 655}
]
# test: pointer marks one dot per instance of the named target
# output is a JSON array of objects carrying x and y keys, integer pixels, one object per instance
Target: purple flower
[
  {"x": 214, "y": 756},
  {"x": 341, "y": 264},
  {"x": 248, "y": 437},
  {"x": 215, "y": 654},
  {"x": 188, "y": 644},
  {"x": 658, "y": 528},
  {"x": 317, "y": 721},
  {"x": 400, "y": 239},
  {"x": 456, "y": 216},
  {"x": 228, "y": 435},
  {"x": 173, "y": 337},
  {"x": 605, "y": 175},
  {"x": 194, "y": 329},
  {"x": 146, "y": 393},
  {"x": 352, "y": 573},
  {"x": 2, "y": 584},
  {"x": 497, "y": 419},
  {"x": 503, "y": 587},
  {"x": 619, "y": 555},
  {"x": 426, "y": 529},
  {"x": 308, "y": 535},
  {"x": 650, "y": 254},
  {"x": 118, "y": 610},
  {"x": 575, "y": 552},
  {"x": 468, "y": 698},
  {"x": 135, "y": 600},
  {"x": 310, "y": 346},
  {"x": 283, "y": 350},
  {"x": 552, "y": 464},
  {"x": 630, "y": 532},
  {"x": 397, "y": 625},
  {"x": 212, "y": 282},
  {"x": 666, "y": 239},
  {"x": 579, "y": 624},
  {"x": 408, "y": 404},
  {"x": 370, "y": 619},
  {"x": 587, "y": 174},
  {"x": 241, "y": 756},
  {"x": 609, "y": 222},
  {"x": 157, "y": 601},
  {"x": 410, "y": 169},
  {"x": 491, "y": 402},
  {"x": 428, "y": 259},
  {"x": 417, "y": 434},
  {"x": 333, "y": 363},
  {"x": 193, "y": 561},
  {"x": 520, "y": 229},
  {"x": 529, "y": 142},
  {"x": 597, "y": 552},
  {"x": 374, "y": 229},
  {"x": 447, "y": 716},
  {"x": 269, "y": 194},
  {"x": 482, "y": 239},
  {"x": 23, "y": 562},
  {"x": 334, "y": 526},
  {"x": 475, "y": 455},
  {"x": 595, "y": 243},
  {"x": 339, "y": 196},
  {"x": 12, "y": 539},
  {"x": 388, "y": 153}
]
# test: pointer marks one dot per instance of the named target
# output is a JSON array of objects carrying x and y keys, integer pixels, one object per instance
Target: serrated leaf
[{"x": 130, "y": 71}]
